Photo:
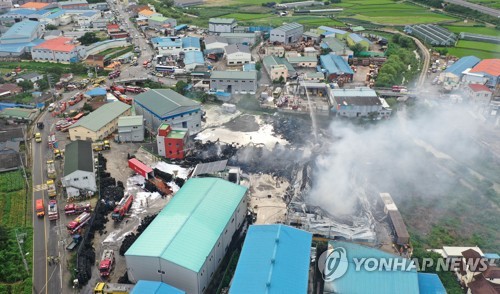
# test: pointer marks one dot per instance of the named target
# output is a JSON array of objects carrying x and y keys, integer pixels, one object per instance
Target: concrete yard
[{"x": 267, "y": 199}]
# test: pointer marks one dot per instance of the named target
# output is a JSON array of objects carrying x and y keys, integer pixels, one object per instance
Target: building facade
[
  {"x": 131, "y": 128},
  {"x": 165, "y": 105},
  {"x": 165, "y": 250},
  {"x": 235, "y": 82},
  {"x": 240, "y": 38},
  {"x": 303, "y": 61},
  {"x": 478, "y": 94},
  {"x": 357, "y": 102},
  {"x": 79, "y": 171},
  {"x": 221, "y": 25},
  {"x": 286, "y": 34},
  {"x": 238, "y": 54},
  {"x": 171, "y": 143},
  {"x": 60, "y": 49},
  {"x": 22, "y": 32}
]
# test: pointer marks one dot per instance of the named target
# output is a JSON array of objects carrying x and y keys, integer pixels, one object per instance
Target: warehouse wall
[{"x": 142, "y": 268}]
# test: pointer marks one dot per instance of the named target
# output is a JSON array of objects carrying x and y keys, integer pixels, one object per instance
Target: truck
[
  {"x": 40, "y": 125},
  {"x": 57, "y": 154},
  {"x": 51, "y": 188},
  {"x": 78, "y": 222},
  {"x": 125, "y": 99},
  {"x": 75, "y": 99},
  {"x": 118, "y": 89},
  {"x": 52, "y": 141},
  {"x": 40, "y": 208},
  {"x": 122, "y": 208},
  {"x": 38, "y": 137},
  {"x": 398, "y": 89},
  {"x": 101, "y": 145},
  {"x": 51, "y": 107},
  {"x": 145, "y": 63},
  {"x": 112, "y": 288},
  {"x": 134, "y": 89},
  {"x": 51, "y": 169},
  {"x": 53, "y": 212},
  {"x": 74, "y": 208},
  {"x": 98, "y": 81},
  {"x": 76, "y": 240},
  {"x": 107, "y": 263},
  {"x": 114, "y": 74}
]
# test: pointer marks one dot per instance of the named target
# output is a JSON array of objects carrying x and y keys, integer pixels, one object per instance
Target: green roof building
[
  {"x": 19, "y": 113},
  {"x": 78, "y": 168},
  {"x": 186, "y": 242},
  {"x": 100, "y": 123}
]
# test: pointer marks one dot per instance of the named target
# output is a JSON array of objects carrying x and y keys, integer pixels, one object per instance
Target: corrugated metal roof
[
  {"x": 462, "y": 64},
  {"x": 102, "y": 116},
  {"x": 191, "y": 42},
  {"x": 19, "y": 47},
  {"x": 153, "y": 287},
  {"x": 191, "y": 57},
  {"x": 332, "y": 30},
  {"x": 297, "y": 59},
  {"x": 335, "y": 64},
  {"x": 78, "y": 156},
  {"x": 209, "y": 167},
  {"x": 356, "y": 92},
  {"x": 488, "y": 66},
  {"x": 289, "y": 27},
  {"x": 375, "y": 282},
  {"x": 234, "y": 48},
  {"x": 237, "y": 35},
  {"x": 270, "y": 60},
  {"x": 130, "y": 121},
  {"x": 165, "y": 102},
  {"x": 234, "y": 75},
  {"x": 274, "y": 259},
  {"x": 186, "y": 230},
  {"x": 216, "y": 20},
  {"x": 430, "y": 284},
  {"x": 23, "y": 29}
]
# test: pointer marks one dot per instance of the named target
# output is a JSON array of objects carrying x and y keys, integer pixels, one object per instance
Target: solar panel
[{"x": 209, "y": 167}]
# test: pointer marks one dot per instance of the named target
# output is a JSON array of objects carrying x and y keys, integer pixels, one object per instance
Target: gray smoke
[{"x": 412, "y": 153}]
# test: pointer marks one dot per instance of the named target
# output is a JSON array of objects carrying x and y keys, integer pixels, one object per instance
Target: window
[
  {"x": 76, "y": 179},
  {"x": 85, "y": 178}
]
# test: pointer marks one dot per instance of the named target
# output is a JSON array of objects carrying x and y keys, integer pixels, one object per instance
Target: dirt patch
[{"x": 243, "y": 123}]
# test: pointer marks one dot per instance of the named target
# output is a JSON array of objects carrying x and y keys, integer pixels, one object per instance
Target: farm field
[
  {"x": 474, "y": 30},
  {"x": 273, "y": 20},
  {"x": 14, "y": 217},
  {"x": 468, "y": 49},
  {"x": 489, "y": 3}
]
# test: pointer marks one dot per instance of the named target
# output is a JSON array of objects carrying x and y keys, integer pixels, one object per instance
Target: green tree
[
  {"x": 180, "y": 87},
  {"x": 43, "y": 84},
  {"x": 87, "y": 107},
  {"x": 50, "y": 27},
  {"x": 88, "y": 38},
  {"x": 356, "y": 48},
  {"x": 26, "y": 85},
  {"x": 258, "y": 65}
]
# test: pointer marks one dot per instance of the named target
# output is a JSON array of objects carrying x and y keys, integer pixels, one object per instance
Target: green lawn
[
  {"x": 460, "y": 52},
  {"x": 475, "y": 30}
]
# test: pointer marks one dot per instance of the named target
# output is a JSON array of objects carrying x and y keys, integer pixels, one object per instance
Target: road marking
[{"x": 39, "y": 188}]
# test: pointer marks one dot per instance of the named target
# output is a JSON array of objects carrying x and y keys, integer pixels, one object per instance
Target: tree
[
  {"x": 357, "y": 48},
  {"x": 258, "y": 66},
  {"x": 26, "y": 85},
  {"x": 88, "y": 38},
  {"x": 87, "y": 107},
  {"x": 180, "y": 87},
  {"x": 50, "y": 27},
  {"x": 43, "y": 84}
]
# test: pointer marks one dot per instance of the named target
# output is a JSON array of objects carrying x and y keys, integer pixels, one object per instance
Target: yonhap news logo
[{"x": 333, "y": 263}]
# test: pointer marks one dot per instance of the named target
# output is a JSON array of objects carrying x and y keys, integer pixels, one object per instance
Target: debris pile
[{"x": 294, "y": 129}]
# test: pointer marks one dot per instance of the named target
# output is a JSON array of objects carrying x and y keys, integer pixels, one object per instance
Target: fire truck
[
  {"x": 107, "y": 263},
  {"x": 122, "y": 208},
  {"x": 78, "y": 222}
]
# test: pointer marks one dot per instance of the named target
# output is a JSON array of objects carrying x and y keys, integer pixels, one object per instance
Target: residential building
[
  {"x": 115, "y": 32},
  {"x": 221, "y": 25},
  {"x": 311, "y": 51},
  {"x": 478, "y": 94},
  {"x": 74, "y": 5},
  {"x": 331, "y": 32},
  {"x": 286, "y": 34},
  {"x": 59, "y": 49},
  {"x": 32, "y": 77},
  {"x": 336, "y": 68},
  {"x": 271, "y": 253},
  {"x": 452, "y": 75},
  {"x": 167, "y": 45},
  {"x": 87, "y": 18},
  {"x": 191, "y": 44},
  {"x": 193, "y": 59},
  {"x": 238, "y": 54},
  {"x": 95, "y": 60},
  {"x": 278, "y": 51},
  {"x": 215, "y": 42},
  {"x": 161, "y": 22},
  {"x": 481, "y": 285},
  {"x": 357, "y": 102},
  {"x": 100, "y": 123},
  {"x": 165, "y": 105},
  {"x": 79, "y": 173},
  {"x": 154, "y": 287},
  {"x": 303, "y": 61},
  {"x": 22, "y": 32},
  {"x": 131, "y": 128},
  {"x": 395, "y": 279},
  {"x": 9, "y": 89},
  {"x": 240, "y": 38},
  {"x": 489, "y": 70},
  {"x": 207, "y": 210},
  {"x": 172, "y": 143},
  {"x": 355, "y": 39},
  {"x": 277, "y": 67},
  {"x": 235, "y": 82}
]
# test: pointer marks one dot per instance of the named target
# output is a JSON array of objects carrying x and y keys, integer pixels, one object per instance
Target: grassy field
[
  {"x": 274, "y": 20},
  {"x": 489, "y": 3},
  {"x": 479, "y": 49},
  {"x": 475, "y": 30},
  {"x": 14, "y": 217}
]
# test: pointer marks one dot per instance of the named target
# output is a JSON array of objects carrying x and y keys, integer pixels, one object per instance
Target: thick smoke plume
[{"x": 408, "y": 154}]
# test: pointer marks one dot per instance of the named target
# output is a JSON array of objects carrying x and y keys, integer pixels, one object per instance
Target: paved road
[
  {"x": 46, "y": 278},
  {"x": 480, "y": 8}
]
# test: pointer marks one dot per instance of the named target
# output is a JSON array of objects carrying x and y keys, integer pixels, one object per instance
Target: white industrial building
[
  {"x": 221, "y": 25},
  {"x": 358, "y": 102},
  {"x": 215, "y": 42},
  {"x": 61, "y": 49},
  {"x": 131, "y": 128},
  {"x": 238, "y": 54},
  {"x": 288, "y": 33},
  {"x": 188, "y": 239},
  {"x": 79, "y": 172}
]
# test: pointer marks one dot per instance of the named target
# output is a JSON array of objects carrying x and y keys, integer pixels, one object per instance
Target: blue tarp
[
  {"x": 181, "y": 27},
  {"x": 96, "y": 92},
  {"x": 259, "y": 29},
  {"x": 14, "y": 105}
]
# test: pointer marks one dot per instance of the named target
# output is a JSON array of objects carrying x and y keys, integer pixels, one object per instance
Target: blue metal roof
[
  {"x": 249, "y": 67},
  {"x": 56, "y": 14},
  {"x": 274, "y": 259},
  {"x": 430, "y": 284},
  {"x": 191, "y": 57},
  {"x": 96, "y": 92},
  {"x": 23, "y": 29},
  {"x": 332, "y": 30},
  {"x": 180, "y": 27},
  {"x": 19, "y": 47},
  {"x": 89, "y": 13},
  {"x": 26, "y": 12},
  {"x": 153, "y": 287},
  {"x": 166, "y": 42},
  {"x": 373, "y": 282},
  {"x": 491, "y": 256},
  {"x": 335, "y": 64},
  {"x": 356, "y": 38},
  {"x": 191, "y": 42},
  {"x": 462, "y": 64}
]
